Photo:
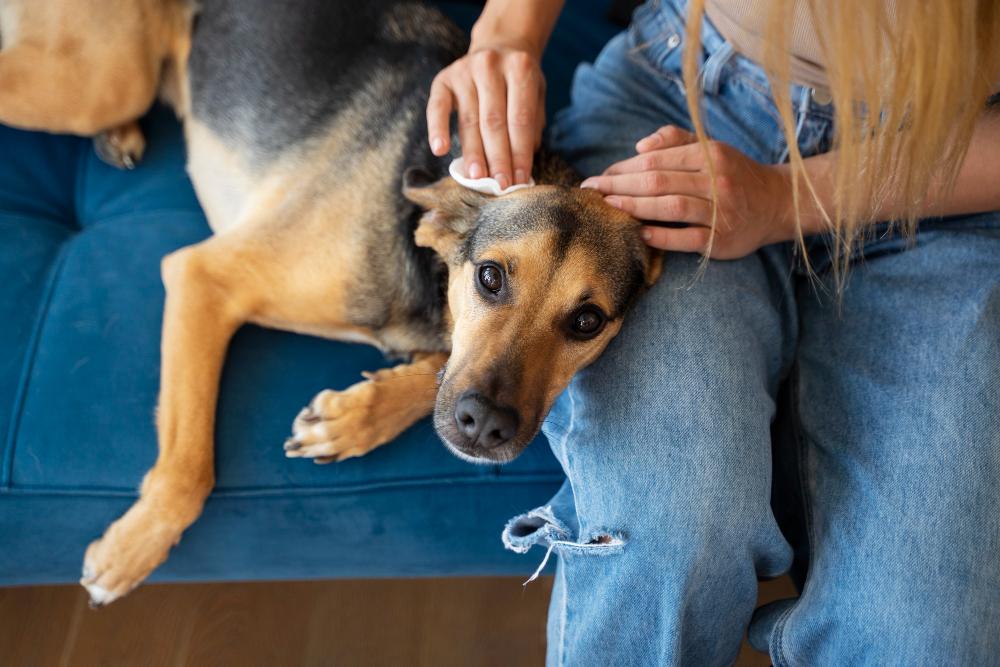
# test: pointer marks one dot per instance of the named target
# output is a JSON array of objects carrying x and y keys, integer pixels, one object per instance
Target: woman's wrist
[
  {"x": 519, "y": 25},
  {"x": 809, "y": 218},
  {"x": 489, "y": 38}
]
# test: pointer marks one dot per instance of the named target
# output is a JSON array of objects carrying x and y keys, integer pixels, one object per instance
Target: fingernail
[
  {"x": 502, "y": 181},
  {"x": 647, "y": 234},
  {"x": 520, "y": 176},
  {"x": 437, "y": 145},
  {"x": 474, "y": 170},
  {"x": 652, "y": 141},
  {"x": 589, "y": 183},
  {"x": 614, "y": 201}
]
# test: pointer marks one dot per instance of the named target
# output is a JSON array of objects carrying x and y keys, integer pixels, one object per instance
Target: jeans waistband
[{"x": 660, "y": 25}]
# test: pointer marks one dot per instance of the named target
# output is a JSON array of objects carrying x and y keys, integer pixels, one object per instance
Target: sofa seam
[
  {"x": 139, "y": 215},
  {"x": 31, "y": 354},
  {"x": 275, "y": 491}
]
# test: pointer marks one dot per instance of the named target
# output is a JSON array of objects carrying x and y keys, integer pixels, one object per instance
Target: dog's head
[{"x": 539, "y": 281}]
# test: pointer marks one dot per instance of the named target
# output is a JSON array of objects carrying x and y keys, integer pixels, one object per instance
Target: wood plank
[
  {"x": 421, "y": 622},
  {"x": 34, "y": 624}
]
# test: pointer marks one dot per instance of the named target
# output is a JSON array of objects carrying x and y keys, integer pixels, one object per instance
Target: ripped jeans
[{"x": 665, "y": 524}]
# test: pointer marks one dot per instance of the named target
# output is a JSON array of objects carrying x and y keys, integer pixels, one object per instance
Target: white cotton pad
[{"x": 488, "y": 186}]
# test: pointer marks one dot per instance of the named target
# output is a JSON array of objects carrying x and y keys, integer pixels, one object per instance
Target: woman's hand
[
  {"x": 499, "y": 95},
  {"x": 668, "y": 181}
]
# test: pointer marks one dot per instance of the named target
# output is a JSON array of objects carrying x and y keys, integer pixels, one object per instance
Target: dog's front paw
[
  {"x": 131, "y": 548},
  {"x": 338, "y": 425}
]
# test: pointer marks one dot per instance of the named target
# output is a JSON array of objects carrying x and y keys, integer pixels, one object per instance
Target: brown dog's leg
[
  {"x": 340, "y": 425},
  {"x": 203, "y": 310}
]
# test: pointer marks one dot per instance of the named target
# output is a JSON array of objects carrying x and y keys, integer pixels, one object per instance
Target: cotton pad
[{"x": 488, "y": 186}]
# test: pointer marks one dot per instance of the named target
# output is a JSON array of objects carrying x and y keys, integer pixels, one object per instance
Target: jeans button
[
  {"x": 674, "y": 41},
  {"x": 821, "y": 96}
]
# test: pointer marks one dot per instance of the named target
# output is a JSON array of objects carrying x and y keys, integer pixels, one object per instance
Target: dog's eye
[
  {"x": 587, "y": 322},
  {"x": 490, "y": 277}
]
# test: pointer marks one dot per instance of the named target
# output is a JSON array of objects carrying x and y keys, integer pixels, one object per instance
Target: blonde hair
[{"x": 909, "y": 80}]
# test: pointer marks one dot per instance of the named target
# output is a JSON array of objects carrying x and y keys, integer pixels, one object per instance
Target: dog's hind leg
[
  {"x": 339, "y": 425},
  {"x": 205, "y": 305},
  {"x": 121, "y": 146}
]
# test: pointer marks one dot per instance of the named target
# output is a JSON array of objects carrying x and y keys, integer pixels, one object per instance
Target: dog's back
[
  {"x": 309, "y": 116},
  {"x": 270, "y": 77}
]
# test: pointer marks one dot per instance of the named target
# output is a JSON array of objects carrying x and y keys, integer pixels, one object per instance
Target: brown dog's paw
[
  {"x": 131, "y": 548},
  {"x": 338, "y": 425},
  {"x": 122, "y": 146}
]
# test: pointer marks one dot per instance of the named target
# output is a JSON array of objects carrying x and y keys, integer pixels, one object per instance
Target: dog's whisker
[{"x": 398, "y": 376}]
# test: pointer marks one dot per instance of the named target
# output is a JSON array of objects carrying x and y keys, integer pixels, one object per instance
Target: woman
[{"x": 664, "y": 524}]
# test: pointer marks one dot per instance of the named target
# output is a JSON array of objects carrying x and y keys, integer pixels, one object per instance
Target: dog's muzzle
[{"x": 482, "y": 424}]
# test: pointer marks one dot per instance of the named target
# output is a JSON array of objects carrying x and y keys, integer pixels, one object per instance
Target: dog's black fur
[{"x": 268, "y": 79}]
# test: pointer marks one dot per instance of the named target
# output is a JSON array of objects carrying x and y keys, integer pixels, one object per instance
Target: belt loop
[
  {"x": 800, "y": 108},
  {"x": 711, "y": 74}
]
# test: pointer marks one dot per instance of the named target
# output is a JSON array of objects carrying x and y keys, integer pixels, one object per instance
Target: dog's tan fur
[
  {"x": 278, "y": 231},
  {"x": 257, "y": 269},
  {"x": 55, "y": 77}
]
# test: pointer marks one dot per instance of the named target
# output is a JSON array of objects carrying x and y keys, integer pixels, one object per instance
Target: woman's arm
[
  {"x": 498, "y": 91},
  {"x": 668, "y": 181},
  {"x": 977, "y": 187}
]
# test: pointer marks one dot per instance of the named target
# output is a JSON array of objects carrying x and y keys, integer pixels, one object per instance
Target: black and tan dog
[{"x": 300, "y": 123}]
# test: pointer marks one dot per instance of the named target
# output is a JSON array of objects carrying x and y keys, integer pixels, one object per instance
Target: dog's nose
[{"x": 484, "y": 422}]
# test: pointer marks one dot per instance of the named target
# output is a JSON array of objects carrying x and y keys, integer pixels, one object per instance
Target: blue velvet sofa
[{"x": 80, "y": 315}]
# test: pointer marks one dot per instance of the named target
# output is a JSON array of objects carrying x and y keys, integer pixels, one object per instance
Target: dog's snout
[{"x": 483, "y": 422}]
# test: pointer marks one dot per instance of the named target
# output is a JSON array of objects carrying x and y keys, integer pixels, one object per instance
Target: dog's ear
[
  {"x": 654, "y": 265},
  {"x": 451, "y": 212}
]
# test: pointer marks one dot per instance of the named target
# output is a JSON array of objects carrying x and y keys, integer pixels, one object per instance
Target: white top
[{"x": 744, "y": 24}]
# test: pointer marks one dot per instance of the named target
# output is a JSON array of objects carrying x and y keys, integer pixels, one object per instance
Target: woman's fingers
[
  {"x": 439, "y": 106},
  {"x": 540, "y": 123},
  {"x": 688, "y": 157},
  {"x": 492, "y": 91},
  {"x": 652, "y": 183},
  {"x": 667, "y": 136},
  {"x": 682, "y": 239},
  {"x": 666, "y": 208},
  {"x": 498, "y": 95},
  {"x": 468, "y": 129},
  {"x": 523, "y": 114}
]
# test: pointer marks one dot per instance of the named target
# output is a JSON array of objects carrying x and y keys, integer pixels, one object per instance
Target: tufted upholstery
[{"x": 80, "y": 314}]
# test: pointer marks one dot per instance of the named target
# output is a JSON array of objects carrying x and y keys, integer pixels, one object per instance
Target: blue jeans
[{"x": 665, "y": 523}]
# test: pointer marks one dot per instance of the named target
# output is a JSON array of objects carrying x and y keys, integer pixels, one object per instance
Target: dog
[{"x": 330, "y": 216}]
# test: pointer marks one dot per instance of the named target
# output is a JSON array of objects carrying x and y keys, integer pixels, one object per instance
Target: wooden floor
[{"x": 432, "y": 622}]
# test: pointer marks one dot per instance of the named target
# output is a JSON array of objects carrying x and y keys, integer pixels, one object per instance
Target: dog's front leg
[
  {"x": 203, "y": 310},
  {"x": 339, "y": 425}
]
